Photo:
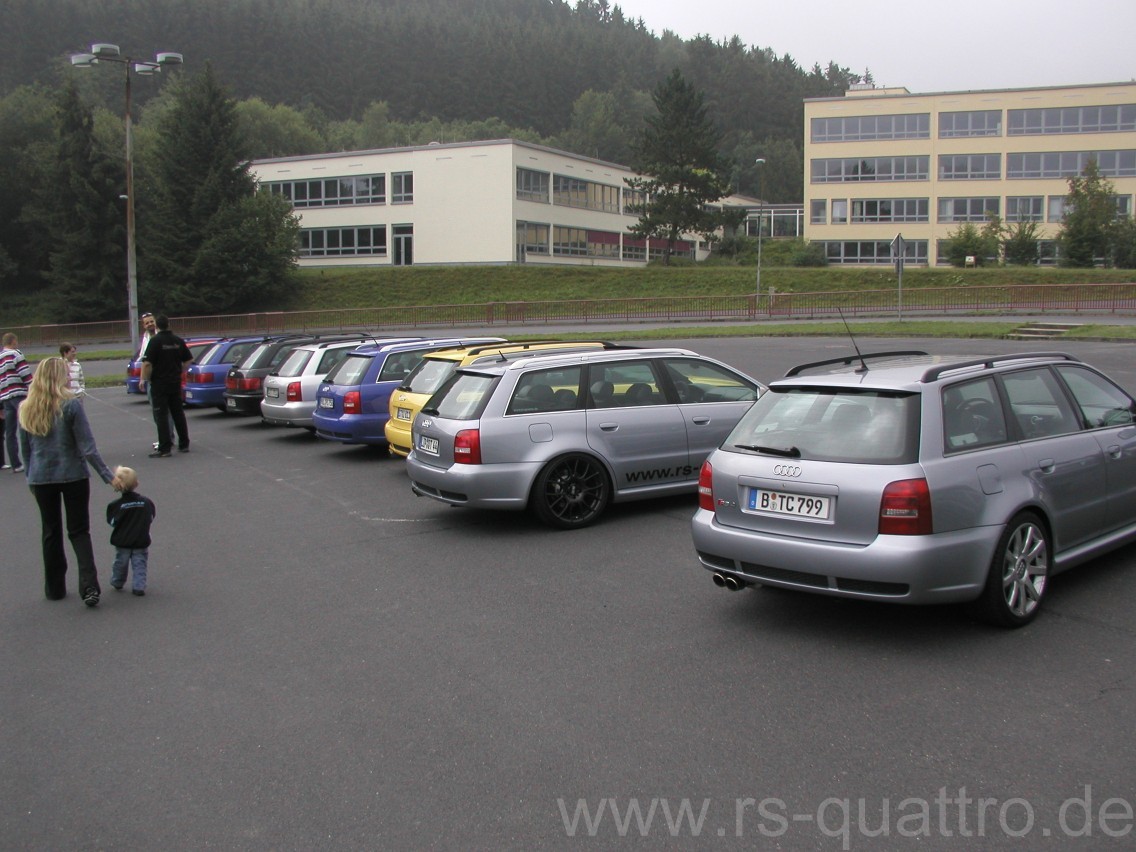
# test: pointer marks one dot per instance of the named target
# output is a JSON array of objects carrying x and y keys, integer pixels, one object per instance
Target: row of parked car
[{"x": 898, "y": 477}]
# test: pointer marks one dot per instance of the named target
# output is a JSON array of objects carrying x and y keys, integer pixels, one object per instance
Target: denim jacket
[{"x": 62, "y": 455}]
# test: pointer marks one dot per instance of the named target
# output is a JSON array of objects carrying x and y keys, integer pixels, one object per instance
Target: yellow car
[{"x": 435, "y": 368}]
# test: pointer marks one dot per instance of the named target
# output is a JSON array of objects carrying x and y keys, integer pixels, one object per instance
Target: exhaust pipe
[
  {"x": 719, "y": 580},
  {"x": 734, "y": 584}
]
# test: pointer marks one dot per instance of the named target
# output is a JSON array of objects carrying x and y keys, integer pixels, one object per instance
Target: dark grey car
[{"x": 923, "y": 480}]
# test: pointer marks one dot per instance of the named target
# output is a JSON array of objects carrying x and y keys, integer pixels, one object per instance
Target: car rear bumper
[
  {"x": 491, "y": 486},
  {"x": 204, "y": 396},
  {"x": 245, "y": 406},
  {"x": 349, "y": 429},
  {"x": 929, "y": 569}
]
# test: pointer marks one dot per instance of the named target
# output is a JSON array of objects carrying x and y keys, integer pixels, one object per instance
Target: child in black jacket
[{"x": 130, "y": 517}]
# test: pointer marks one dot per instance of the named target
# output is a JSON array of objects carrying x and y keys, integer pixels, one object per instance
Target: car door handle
[
  {"x": 701, "y": 420},
  {"x": 608, "y": 427},
  {"x": 1113, "y": 451},
  {"x": 1047, "y": 465}
]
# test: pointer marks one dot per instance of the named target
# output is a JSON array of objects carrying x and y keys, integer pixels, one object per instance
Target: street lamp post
[
  {"x": 760, "y": 161},
  {"x": 111, "y": 53}
]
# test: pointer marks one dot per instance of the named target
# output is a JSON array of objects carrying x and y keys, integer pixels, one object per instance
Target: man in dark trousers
[{"x": 164, "y": 361}]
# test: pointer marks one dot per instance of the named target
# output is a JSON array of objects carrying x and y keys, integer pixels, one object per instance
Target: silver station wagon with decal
[
  {"x": 907, "y": 478},
  {"x": 567, "y": 434}
]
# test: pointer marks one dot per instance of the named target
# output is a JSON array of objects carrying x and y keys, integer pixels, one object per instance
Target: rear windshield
[
  {"x": 253, "y": 358},
  {"x": 463, "y": 397},
  {"x": 294, "y": 364},
  {"x": 829, "y": 424},
  {"x": 428, "y": 376},
  {"x": 350, "y": 370}
]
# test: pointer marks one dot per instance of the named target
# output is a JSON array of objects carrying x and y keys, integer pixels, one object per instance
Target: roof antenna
[{"x": 863, "y": 368}]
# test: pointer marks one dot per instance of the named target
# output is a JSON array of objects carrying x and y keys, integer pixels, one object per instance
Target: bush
[{"x": 809, "y": 254}]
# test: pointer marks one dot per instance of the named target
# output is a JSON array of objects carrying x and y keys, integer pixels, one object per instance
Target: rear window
[
  {"x": 463, "y": 397},
  {"x": 350, "y": 370},
  {"x": 254, "y": 358},
  {"x": 826, "y": 424},
  {"x": 398, "y": 365},
  {"x": 237, "y": 352},
  {"x": 294, "y": 364},
  {"x": 428, "y": 376}
]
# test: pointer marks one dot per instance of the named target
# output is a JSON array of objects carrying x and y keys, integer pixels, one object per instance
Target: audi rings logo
[{"x": 787, "y": 470}]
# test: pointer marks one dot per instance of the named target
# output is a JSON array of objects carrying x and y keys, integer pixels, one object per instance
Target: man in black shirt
[{"x": 163, "y": 363}]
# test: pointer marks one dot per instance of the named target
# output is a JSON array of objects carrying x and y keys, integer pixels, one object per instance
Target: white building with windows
[
  {"x": 884, "y": 162},
  {"x": 495, "y": 202}
]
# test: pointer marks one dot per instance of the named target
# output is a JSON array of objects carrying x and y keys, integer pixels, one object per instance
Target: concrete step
[{"x": 1042, "y": 330}]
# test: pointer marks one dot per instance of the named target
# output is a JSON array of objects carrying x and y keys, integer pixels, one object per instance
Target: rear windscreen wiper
[{"x": 787, "y": 452}]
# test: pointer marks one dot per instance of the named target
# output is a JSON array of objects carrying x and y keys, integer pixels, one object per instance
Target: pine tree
[
  {"x": 210, "y": 245},
  {"x": 678, "y": 150},
  {"x": 1090, "y": 213},
  {"x": 85, "y": 220}
]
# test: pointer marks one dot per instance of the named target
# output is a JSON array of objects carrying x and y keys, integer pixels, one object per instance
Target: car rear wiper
[
  {"x": 433, "y": 411},
  {"x": 787, "y": 452}
]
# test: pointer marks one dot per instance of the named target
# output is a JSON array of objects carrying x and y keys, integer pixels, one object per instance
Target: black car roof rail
[
  {"x": 935, "y": 372},
  {"x": 848, "y": 360},
  {"x": 519, "y": 348}
]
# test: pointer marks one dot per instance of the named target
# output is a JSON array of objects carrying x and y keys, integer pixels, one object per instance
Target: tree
[
  {"x": 1019, "y": 243},
  {"x": 678, "y": 149},
  {"x": 970, "y": 241},
  {"x": 80, "y": 206},
  {"x": 1124, "y": 243},
  {"x": 1090, "y": 213},
  {"x": 210, "y": 244}
]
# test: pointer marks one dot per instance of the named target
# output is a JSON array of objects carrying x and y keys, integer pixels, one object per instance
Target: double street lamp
[
  {"x": 110, "y": 53},
  {"x": 760, "y": 161}
]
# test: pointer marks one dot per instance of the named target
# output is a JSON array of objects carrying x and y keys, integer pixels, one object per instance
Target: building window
[
  {"x": 344, "y": 242},
  {"x": 970, "y": 166},
  {"x": 856, "y": 128},
  {"x": 890, "y": 210},
  {"x": 532, "y": 186},
  {"x": 967, "y": 209},
  {"x": 984, "y": 122},
  {"x": 332, "y": 192},
  {"x": 1056, "y": 208},
  {"x": 1123, "y": 205},
  {"x": 840, "y": 211},
  {"x": 1025, "y": 208},
  {"x": 535, "y": 237},
  {"x": 681, "y": 248},
  {"x": 575, "y": 192},
  {"x": 634, "y": 248},
  {"x": 1065, "y": 164},
  {"x": 869, "y": 170},
  {"x": 402, "y": 187},
  {"x": 634, "y": 201},
  {"x": 873, "y": 251},
  {"x": 1117, "y": 118},
  {"x": 818, "y": 211},
  {"x": 581, "y": 242}
]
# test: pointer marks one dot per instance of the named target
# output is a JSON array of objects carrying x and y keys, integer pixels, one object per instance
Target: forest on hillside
[{"x": 365, "y": 73}]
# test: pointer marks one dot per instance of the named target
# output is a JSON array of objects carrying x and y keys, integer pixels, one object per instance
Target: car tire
[
  {"x": 1019, "y": 573},
  {"x": 571, "y": 491}
]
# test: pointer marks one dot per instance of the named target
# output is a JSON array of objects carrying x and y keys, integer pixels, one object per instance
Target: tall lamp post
[
  {"x": 760, "y": 161},
  {"x": 111, "y": 53}
]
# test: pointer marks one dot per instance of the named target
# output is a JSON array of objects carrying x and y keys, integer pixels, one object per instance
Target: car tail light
[
  {"x": 202, "y": 378},
  {"x": 293, "y": 393},
  {"x": 467, "y": 447},
  {"x": 706, "y": 487},
  {"x": 352, "y": 403},
  {"x": 135, "y": 372},
  {"x": 905, "y": 508},
  {"x": 230, "y": 383},
  {"x": 239, "y": 384}
]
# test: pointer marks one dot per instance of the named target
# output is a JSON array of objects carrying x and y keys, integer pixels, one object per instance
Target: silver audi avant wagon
[
  {"x": 916, "y": 479},
  {"x": 566, "y": 434}
]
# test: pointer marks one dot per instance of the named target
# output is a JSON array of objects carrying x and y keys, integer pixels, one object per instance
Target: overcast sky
[{"x": 927, "y": 47}]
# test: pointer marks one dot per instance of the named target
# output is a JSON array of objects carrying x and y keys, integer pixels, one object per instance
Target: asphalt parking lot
[{"x": 323, "y": 660}]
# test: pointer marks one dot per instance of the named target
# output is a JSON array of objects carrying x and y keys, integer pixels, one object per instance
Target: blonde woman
[{"x": 57, "y": 447}]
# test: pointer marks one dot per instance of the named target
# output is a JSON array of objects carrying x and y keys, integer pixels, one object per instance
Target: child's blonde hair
[{"x": 127, "y": 478}]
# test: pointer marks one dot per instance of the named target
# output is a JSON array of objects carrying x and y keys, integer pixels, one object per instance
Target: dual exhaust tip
[{"x": 728, "y": 581}]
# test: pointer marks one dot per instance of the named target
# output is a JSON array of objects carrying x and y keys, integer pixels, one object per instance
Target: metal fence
[{"x": 1096, "y": 299}]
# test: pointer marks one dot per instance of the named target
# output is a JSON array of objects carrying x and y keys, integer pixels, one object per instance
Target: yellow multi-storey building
[{"x": 885, "y": 162}]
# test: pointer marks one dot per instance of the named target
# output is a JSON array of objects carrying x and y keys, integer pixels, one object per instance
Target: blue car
[
  {"x": 197, "y": 346},
  {"x": 205, "y": 378},
  {"x": 353, "y": 400}
]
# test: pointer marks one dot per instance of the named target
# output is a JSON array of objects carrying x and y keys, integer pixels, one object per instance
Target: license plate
[
  {"x": 230, "y": 403},
  {"x": 327, "y": 402},
  {"x": 428, "y": 445},
  {"x": 784, "y": 503},
  {"x": 189, "y": 394},
  {"x": 402, "y": 414},
  {"x": 272, "y": 393}
]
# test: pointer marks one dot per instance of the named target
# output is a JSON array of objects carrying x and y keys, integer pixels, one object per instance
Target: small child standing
[
  {"x": 130, "y": 517},
  {"x": 70, "y": 353}
]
